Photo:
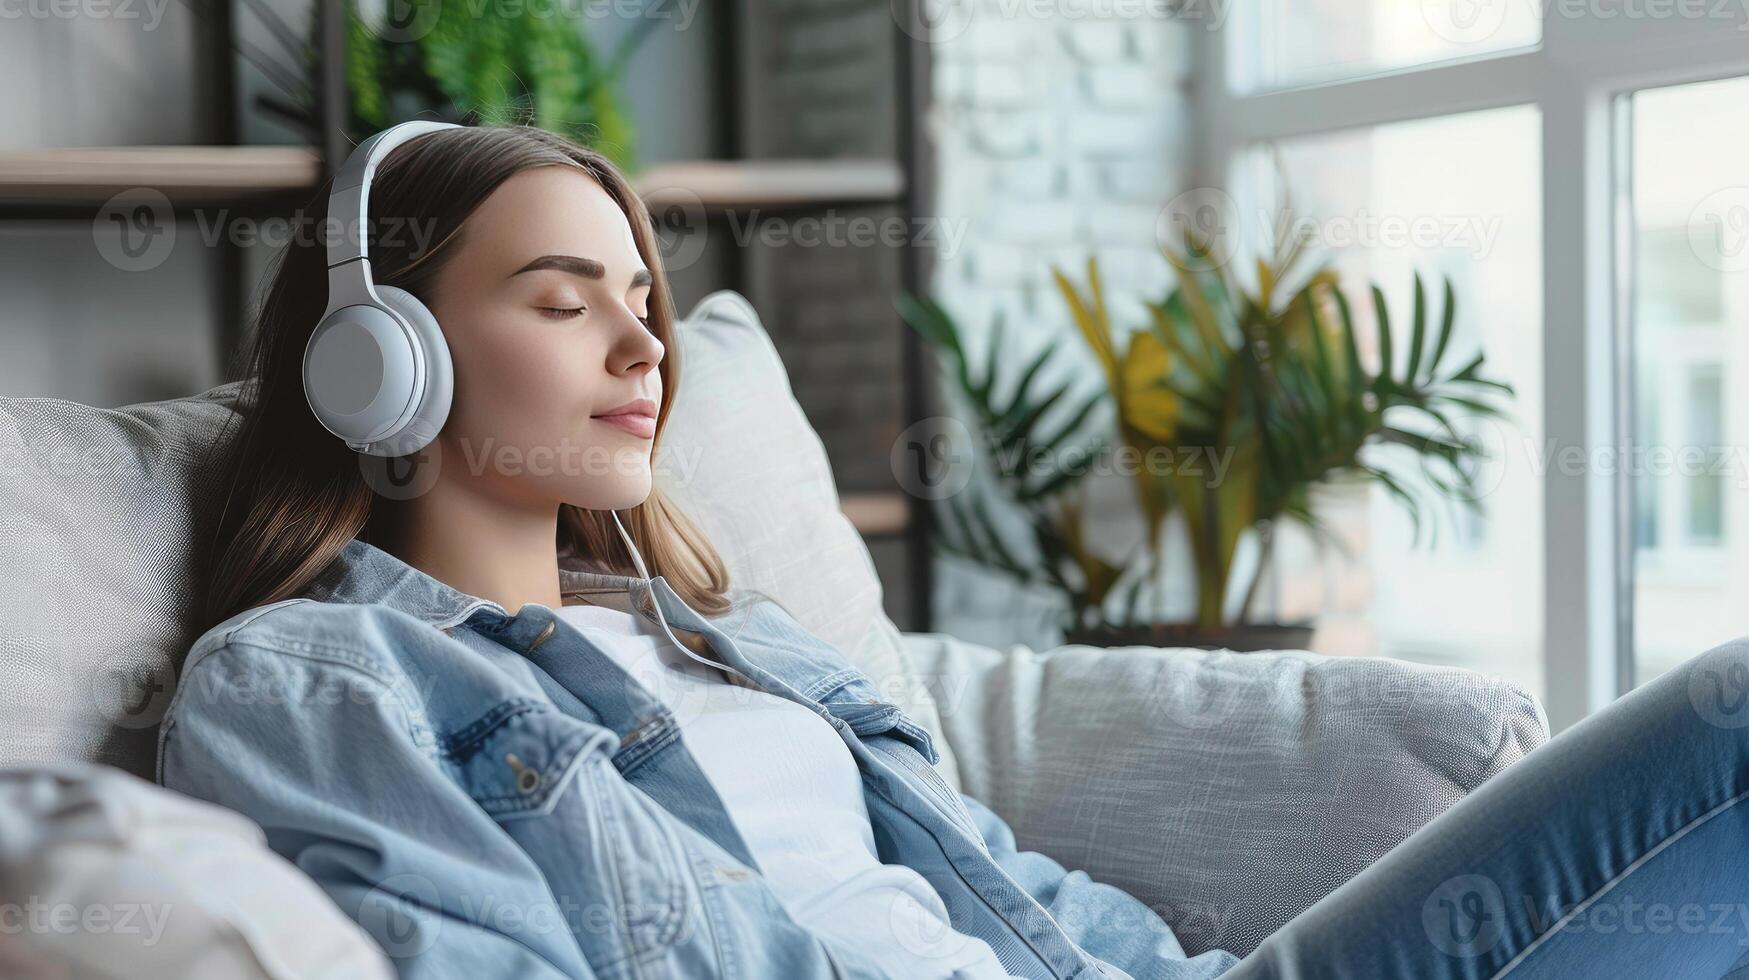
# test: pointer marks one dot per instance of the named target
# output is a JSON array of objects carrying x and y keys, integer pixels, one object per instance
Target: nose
[{"x": 638, "y": 350}]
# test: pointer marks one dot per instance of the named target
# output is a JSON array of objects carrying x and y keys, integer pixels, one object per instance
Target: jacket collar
[{"x": 366, "y": 574}]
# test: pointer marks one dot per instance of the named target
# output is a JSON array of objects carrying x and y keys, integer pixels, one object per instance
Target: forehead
[{"x": 551, "y": 211}]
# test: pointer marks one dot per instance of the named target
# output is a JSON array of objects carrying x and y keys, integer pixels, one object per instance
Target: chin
[{"x": 630, "y": 493}]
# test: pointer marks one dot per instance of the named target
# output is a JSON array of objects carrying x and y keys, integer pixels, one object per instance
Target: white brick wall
[{"x": 1060, "y": 136}]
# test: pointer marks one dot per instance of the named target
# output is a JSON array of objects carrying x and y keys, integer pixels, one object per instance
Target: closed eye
[{"x": 560, "y": 312}]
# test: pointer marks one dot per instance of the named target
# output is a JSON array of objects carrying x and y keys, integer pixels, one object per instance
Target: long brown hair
[{"x": 297, "y": 494}]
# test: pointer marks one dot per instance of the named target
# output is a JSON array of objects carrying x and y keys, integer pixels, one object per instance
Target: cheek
[{"x": 529, "y": 386}]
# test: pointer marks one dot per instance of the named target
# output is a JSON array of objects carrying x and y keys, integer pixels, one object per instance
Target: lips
[{"x": 637, "y": 417}]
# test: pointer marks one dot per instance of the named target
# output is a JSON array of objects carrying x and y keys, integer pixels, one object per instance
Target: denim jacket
[{"x": 491, "y": 796}]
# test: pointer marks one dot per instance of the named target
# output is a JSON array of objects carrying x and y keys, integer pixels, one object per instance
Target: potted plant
[
  {"x": 1269, "y": 376},
  {"x": 486, "y": 65}
]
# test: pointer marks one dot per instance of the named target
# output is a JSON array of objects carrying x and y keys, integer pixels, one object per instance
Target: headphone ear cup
[{"x": 433, "y": 409}]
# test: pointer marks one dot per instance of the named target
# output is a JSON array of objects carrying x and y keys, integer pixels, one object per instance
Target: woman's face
[{"x": 541, "y": 304}]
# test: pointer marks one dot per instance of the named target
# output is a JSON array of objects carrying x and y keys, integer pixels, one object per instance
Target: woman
[{"x": 517, "y": 736}]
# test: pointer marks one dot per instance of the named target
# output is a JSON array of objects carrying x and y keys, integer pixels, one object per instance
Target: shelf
[
  {"x": 722, "y": 185},
  {"x": 219, "y": 174},
  {"x": 184, "y": 174},
  {"x": 874, "y": 514}
]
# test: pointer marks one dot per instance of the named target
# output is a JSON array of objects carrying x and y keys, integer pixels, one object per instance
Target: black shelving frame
[{"x": 911, "y": 65}]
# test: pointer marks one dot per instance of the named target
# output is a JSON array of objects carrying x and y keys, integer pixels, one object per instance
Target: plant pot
[{"x": 1244, "y": 638}]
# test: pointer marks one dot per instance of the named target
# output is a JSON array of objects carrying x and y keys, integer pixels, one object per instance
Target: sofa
[{"x": 1228, "y": 791}]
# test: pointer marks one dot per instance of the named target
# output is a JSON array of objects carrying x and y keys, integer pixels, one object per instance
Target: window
[
  {"x": 1300, "y": 41},
  {"x": 1706, "y": 497},
  {"x": 1611, "y": 143},
  {"x": 1449, "y": 198},
  {"x": 1690, "y": 279}
]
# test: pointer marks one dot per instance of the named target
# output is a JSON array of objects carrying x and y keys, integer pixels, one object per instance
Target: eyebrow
[{"x": 587, "y": 268}]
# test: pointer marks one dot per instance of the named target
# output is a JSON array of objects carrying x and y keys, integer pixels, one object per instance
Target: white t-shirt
[{"x": 794, "y": 792}]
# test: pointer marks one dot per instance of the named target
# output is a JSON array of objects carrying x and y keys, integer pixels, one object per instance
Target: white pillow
[
  {"x": 740, "y": 458},
  {"x": 108, "y": 875}
]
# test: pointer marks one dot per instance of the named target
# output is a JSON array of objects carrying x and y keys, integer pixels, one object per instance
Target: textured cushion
[
  {"x": 126, "y": 879},
  {"x": 1227, "y": 791},
  {"x": 99, "y": 511}
]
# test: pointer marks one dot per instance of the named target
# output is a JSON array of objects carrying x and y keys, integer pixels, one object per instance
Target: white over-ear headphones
[{"x": 377, "y": 371}]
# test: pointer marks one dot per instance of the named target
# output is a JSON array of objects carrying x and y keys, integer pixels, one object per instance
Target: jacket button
[{"x": 527, "y": 777}]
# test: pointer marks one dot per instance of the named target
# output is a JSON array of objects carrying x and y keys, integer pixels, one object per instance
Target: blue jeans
[{"x": 1618, "y": 849}]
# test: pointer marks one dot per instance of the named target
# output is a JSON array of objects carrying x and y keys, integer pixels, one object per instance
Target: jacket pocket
[
  {"x": 606, "y": 848},
  {"x": 851, "y": 696},
  {"x": 520, "y": 757}
]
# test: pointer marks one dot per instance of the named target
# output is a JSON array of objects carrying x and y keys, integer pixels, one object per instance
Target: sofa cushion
[
  {"x": 101, "y": 510},
  {"x": 118, "y": 877},
  {"x": 1227, "y": 791}
]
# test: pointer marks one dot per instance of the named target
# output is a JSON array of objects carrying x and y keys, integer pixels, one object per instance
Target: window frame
[{"x": 1579, "y": 77}]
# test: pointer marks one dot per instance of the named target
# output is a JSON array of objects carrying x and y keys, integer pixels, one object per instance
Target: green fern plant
[
  {"x": 1010, "y": 419},
  {"x": 1271, "y": 378},
  {"x": 1276, "y": 379},
  {"x": 461, "y": 62}
]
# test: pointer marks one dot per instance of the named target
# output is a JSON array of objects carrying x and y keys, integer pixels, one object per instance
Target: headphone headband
[
  {"x": 377, "y": 370},
  {"x": 349, "y": 203}
]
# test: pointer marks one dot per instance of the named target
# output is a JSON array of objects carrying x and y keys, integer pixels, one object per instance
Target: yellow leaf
[
  {"x": 1154, "y": 413},
  {"x": 1093, "y": 326},
  {"x": 1147, "y": 360},
  {"x": 1148, "y": 405}
]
